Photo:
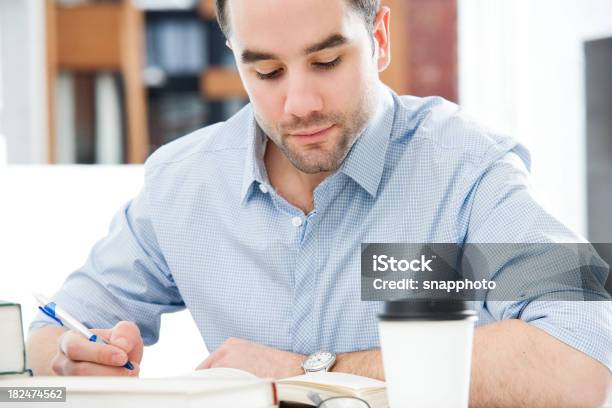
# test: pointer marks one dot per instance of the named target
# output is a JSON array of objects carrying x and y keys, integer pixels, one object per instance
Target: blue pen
[{"x": 63, "y": 318}]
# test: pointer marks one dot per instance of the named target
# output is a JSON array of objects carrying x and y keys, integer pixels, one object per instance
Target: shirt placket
[{"x": 306, "y": 336}]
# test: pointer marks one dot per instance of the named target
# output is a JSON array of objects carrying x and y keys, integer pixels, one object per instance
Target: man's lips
[
  {"x": 312, "y": 135},
  {"x": 310, "y": 132}
]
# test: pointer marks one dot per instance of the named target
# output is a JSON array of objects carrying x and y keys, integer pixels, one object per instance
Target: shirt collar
[
  {"x": 366, "y": 160},
  {"x": 364, "y": 163},
  {"x": 254, "y": 169}
]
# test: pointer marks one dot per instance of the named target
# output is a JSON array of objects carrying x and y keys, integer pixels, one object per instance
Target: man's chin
[
  {"x": 317, "y": 169},
  {"x": 317, "y": 158},
  {"x": 314, "y": 165}
]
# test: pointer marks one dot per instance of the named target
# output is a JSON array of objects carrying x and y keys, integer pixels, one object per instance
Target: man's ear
[{"x": 382, "y": 37}]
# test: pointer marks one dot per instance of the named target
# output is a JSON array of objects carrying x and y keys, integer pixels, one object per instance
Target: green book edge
[{"x": 2, "y": 304}]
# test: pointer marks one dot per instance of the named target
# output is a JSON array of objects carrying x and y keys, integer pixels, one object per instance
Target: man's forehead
[
  {"x": 286, "y": 26},
  {"x": 285, "y": 8}
]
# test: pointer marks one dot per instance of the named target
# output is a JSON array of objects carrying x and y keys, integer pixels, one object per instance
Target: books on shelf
[
  {"x": 176, "y": 44},
  {"x": 89, "y": 123},
  {"x": 109, "y": 143},
  {"x": 85, "y": 117},
  {"x": 165, "y": 4},
  {"x": 12, "y": 355},
  {"x": 180, "y": 44},
  {"x": 219, "y": 53},
  {"x": 65, "y": 144},
  {"x": 175, "y": 113}
]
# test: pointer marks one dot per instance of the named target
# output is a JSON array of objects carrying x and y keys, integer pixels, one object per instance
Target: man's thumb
[{"x": 126, "y": 336}]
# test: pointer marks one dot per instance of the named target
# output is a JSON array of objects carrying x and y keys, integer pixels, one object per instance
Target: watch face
[{"x": 318, "y": 361}]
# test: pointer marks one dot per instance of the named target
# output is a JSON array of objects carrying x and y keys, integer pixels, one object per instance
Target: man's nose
[{"x": 302, "y": 98}]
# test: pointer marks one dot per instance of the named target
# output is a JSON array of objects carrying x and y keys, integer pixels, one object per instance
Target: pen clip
[{"x": 51, "y": 315}]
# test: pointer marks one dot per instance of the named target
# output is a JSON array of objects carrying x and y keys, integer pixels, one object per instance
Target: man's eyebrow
[
  {"x": 249, "y": 56},
  {"x": 334, "y": 40}
]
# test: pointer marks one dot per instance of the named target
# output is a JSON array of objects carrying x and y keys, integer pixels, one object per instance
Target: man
[{"x": 255, "y": 224}]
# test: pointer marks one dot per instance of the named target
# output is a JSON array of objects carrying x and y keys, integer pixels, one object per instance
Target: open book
[
  {"x": 326, "y": 385},
  {"x": 213, "y": 388}
]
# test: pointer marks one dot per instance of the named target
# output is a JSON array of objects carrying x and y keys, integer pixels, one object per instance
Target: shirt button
[
  {"x": 263, "y": 188},
  {"x": 296, "y": 221}
]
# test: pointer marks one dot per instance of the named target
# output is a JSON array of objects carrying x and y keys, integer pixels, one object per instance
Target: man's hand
[
  {"x": 75, "y": 355},
  {"x": 263, "y": 361}
]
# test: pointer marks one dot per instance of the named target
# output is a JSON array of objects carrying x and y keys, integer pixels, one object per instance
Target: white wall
[
  {"x": 2, "y": 137},
  {"x": 23, "y": 118},
  {"x": 50, "y": 217},
  {"x": 521, "y": 65}
]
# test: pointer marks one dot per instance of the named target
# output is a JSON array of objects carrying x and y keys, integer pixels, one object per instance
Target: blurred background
[{"x": 89, "y": 89}]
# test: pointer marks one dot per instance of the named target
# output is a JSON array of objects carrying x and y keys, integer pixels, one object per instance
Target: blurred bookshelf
[
  {"x": 190, "y": 74},
  {"x": 128, "y": 76}
]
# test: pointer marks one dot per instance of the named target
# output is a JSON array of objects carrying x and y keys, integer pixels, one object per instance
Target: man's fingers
[
  {"x": 206, "y": 363},
  {"x": 126, "y": 336},
  {"x": 78, "y": 348},
  {"x": 65, "y": 366},
  {"x": 102, "y": 333},
  {"x": 78, "y": 356}
]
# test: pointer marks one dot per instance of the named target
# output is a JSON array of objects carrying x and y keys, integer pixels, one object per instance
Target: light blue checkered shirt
[{"x": 208, "y": 232}]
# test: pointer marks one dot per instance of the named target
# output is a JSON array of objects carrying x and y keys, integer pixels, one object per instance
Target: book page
[{"x": 354, "y": 382}]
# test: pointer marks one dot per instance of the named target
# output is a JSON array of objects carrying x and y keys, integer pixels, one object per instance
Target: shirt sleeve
[
  {"x": 504, "y": 210},
  {"x": 124, "y": 278}
]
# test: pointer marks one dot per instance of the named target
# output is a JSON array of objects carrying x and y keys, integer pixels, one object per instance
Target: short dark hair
[{"x": 367, "y": 8}]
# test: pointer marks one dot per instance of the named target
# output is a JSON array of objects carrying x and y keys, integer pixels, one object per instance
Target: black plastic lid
[{"x": 427, "y": 310}]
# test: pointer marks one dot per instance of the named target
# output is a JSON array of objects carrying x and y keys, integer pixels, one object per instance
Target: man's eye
[
  {"x": 278, "y": 72},
  {"x": 269, "y": 75},
  {"x": 328, "y": 65}
]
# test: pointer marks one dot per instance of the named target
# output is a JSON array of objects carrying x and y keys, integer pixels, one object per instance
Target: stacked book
[{"x": 12, "y": 357}]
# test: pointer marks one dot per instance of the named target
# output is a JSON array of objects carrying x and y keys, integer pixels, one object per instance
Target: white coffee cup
[{"x": 427, "y": 352}]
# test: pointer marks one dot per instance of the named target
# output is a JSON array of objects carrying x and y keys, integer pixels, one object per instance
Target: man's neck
[{"x": 290, "y": 183}]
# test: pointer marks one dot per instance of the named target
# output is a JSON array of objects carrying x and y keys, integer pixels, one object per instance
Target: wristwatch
[{"x": 319, "y": 361}]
